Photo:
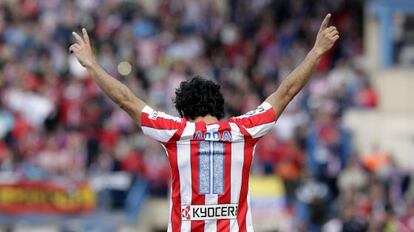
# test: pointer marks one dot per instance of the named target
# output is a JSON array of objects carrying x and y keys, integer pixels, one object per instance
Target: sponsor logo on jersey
[
  {"x": 259, "y": 110},
  {"x": 153, "y": 115},
  {"x": 208, "y": 212}
]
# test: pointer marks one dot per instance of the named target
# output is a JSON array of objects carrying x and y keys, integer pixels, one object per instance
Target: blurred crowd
[
  {"x": 56, "y": 123},
  {"x": 404, "y": 40}
]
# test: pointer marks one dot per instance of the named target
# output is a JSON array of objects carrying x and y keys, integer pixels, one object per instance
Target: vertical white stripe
[
  {"x": 211, "y": 199},
  {"x": 253, "y": 152},
  {"x": 260, "y": 130},
  {"x": 234, "y": 226},
  {"x": 236, "y": 135},
  {"x": 169, "y": 219},
  {"x": 162, "y": 135},
  {"x": 211, "y": 225},
  {"x": 249, "y": 220},
  {"x": 184, "y": 168},
  {"x": 237, "y": 160},
  {"x": 188, "y": 132}
]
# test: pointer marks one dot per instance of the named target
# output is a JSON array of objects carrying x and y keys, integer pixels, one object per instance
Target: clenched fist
[
  {"x": 326, "y": 38},
  {"x": 82, "y": 49}
]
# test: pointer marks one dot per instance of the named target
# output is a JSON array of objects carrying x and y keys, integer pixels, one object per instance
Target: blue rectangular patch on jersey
[
  {"x": 211, "y": 167},
  {"x": 218, "y": 168},
  {"x": 204, "y": 167}
]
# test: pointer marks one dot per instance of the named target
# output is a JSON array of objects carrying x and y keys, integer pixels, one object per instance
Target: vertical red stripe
[
  {"x": 196, "y": 199},
  {"x": 224, "y": 225},
  {"x": 175, "y": 194},
  {"x": 179, "y": 132},
  {"x": 248, "y": 156}
]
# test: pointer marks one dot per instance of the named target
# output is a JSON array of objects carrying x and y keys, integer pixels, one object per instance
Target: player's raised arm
[
  {"x": 118, "y": 92},
  {"x": 326, "y": 38}
]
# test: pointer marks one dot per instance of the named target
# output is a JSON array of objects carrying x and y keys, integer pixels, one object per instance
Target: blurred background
[{"x": 339, "y": 159}]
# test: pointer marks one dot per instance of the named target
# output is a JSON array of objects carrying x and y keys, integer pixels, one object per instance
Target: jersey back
[{"x": 210, "y": 166}]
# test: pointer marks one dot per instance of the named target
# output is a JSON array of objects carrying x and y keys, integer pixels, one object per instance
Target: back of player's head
[{"x": 199, "y": 97}]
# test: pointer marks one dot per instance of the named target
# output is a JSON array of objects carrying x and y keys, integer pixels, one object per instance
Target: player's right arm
[
  {"x": 295, "y": 81},
  {"x": 118, "y": 92}
]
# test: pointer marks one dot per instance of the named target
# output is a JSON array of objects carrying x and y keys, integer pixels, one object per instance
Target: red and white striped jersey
[{"x": 210, "y": 166}]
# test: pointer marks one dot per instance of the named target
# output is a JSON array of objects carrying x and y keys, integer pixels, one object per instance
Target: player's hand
[
  {"x": 82, "y": 49},
  {"x": 326, "y": 38}
]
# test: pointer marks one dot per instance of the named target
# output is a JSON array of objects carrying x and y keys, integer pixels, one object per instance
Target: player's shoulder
[
  {"x": 161, "y": 126},
  {"x": 263, "y": 113},
  {"x": 152, "y": 114}
]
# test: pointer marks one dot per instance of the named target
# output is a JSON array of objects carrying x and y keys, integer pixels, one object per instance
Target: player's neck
[{"x": 207, "y": 119}]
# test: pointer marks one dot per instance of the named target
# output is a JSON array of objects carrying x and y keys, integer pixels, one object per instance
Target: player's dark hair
[{"x": 199, "y": 97}]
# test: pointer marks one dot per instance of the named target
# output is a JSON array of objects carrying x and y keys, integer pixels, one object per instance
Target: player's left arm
[{"x": 295, "y": 81}]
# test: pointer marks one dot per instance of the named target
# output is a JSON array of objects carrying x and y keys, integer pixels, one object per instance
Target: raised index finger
[
  {"x": 325, "y": 22},
  {"x": 85, "y": 36}
]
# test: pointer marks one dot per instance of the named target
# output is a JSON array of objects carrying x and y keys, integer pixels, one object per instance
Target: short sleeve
[
  {"x": 257, "y": 122},
  {"x": 159, "y": 125}
]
